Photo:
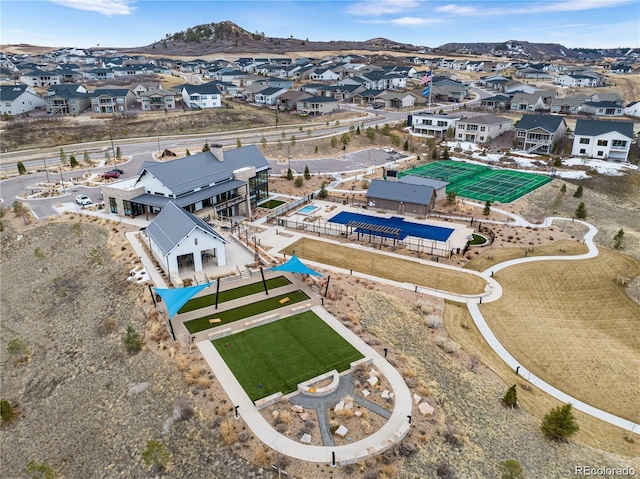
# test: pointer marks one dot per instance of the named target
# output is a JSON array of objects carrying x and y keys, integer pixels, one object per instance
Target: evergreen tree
[
  {"x": 334, "y": 141},
  {"x": 405, "y": 147},
  {"x": 323, "y": 191},
  {"x": 434, "y": 154},
  {"x": 118, "y": 153},
  {"x": 206, "y": 147},
  {"x": 298, "y": 182},
  {"x": 155, "y": 455},
  {"x": 289, "y": 174},
  {"x": 358, "y": 130},
  {"x": 563, "y": 189},
  {"x": 578, "y": 193},
  {"x": 85, "y": 157},
  {"x": 315, "y": 151},
  {"x": 307, "y": 173},
  {"x": 560, "y": 423},
  {"x": 445, "y": 153},
  {"x": 72, "y": 161},
  {"x": 21, "y": 169},
  {"x": 487, "y": 208},
  {"x": 63, "y": 157},
  {"x": 263, "y": 141},
  {"x": 238, "y": 143},
  {"x": 188, "y": 153},
  {"x": 618, "y": 238},
  {"x": 132, "y": 341},
  {"x": 511, "y": 397},
  {"x": 581, "y": 211},
  {"x": 451, "y": 197}
]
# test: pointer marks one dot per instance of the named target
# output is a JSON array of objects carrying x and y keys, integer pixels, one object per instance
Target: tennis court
[
  {"x": 479, "y": 182},
  {"x": 503, "y": 186},
  {"x": 407, "y": 228}
]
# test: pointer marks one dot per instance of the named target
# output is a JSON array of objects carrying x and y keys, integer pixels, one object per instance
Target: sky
[{"x": 131, "y": 23}]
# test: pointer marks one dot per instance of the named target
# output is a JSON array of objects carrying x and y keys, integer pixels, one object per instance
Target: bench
[
  {"x": 301, "y": 307},
  {"x": 284, "y": 300},
  {"x": 215, "y": 320},
  {"x": 220, "y": 334}
]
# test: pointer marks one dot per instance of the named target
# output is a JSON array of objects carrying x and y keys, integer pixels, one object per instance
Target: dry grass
[
  {"x": 228, "y": 432},
  {"x": 571, "y": 324},
  {"x": 492, "y": 257},
  {"x": 593, "y": 432},
  {"x": 389, "y": 267}
]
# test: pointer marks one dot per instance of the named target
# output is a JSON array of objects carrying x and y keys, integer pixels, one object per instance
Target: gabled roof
[
  {"x": 602, "y": 104},
  {"x": 11, "y": 92},
  {"x": 210, "y": 88},
  {"x": 497, "y": 98},
  {"x": 370, "y": 92},
  {"x": 549, "y": 123},
  {"x": 173, "y": 224},
  {"x": 485, "y": 120},
  {"x": 269, "y": 91},
  {"x": 112, "y": 92},
  {"x": 419, "y": 180},
  {"x": 405, "y": 192},
  {"x": 525, "y": 98},
  {"x": 600, "y": 127},
  {"x": 319, "y": 99}
]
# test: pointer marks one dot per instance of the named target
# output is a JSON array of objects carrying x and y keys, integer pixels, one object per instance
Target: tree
[
  {"x": 279, "y": 145},
  {"x": 206, "y": 147},
  {"x": 86, "y": 158},
  {"x": 511, "y": 469},
  {"x": 323, "y": 191},
  {"x": 581, "y": 211},
  {"x": 38, "y": 470},
  {"x": 618, "y": 239},
  {"x": 563, "y": 189},
  {"x": 307, "y": 173},
  {"x": 371, "y": 134},
  {"x": 188, "y": 153},
  {"x": 263, "y": 141},
  {"x": 132, "y": 341},
  {"x": 487, "y": 208},
  {"x": 434, "y": 154},
  {"x": 578, "y": 193},
  {"x": 451, "y": 197},
  {"x": 293, "y": 140},
  {"x": 386, "y": 129},
  {"x": 559, "y": 424},
  {"x": 72, "y": 161},
  {"x": 21, "y": 169},
  {"x": 345, "y": 139},
  {"x": 238, "y": 143},
  {"x": 445, "y": 154},
  {"x": 315, "y": 150},
  {"x": 451, "y": 132},
  {"x": 405, "y": 147},
  {"x": 511, "y": 397},
  {"x": 557, "y": 162},
  {"x": 155, "y": 455},
  {"x": 334, "y": 141},
  {"x": 289, "y": 174},
  {"x": 358, "y": 130},
  {"x": 63, "y": 157},
  {"x": 118, "y": 153},
  {"x": 298, "y": 182}
]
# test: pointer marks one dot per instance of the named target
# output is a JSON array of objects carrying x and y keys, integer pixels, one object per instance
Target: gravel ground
[{"x": 76, "y": 412}]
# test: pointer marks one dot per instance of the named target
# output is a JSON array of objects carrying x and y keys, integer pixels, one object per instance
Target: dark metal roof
[
  {"x": 404, "y": 192},
  {"x": 419, "y": 180},
  {"x": 600, "y": 127},
  {"x": 172, "y": 224},
  {"x": 549, "y": 123}
]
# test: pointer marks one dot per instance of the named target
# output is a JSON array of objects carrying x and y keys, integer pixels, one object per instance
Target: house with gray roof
[
  {"x": 317, "y": 105},
  {"x": 603, "y": 139},
  {"x": 216, "y": 182},
  {"x": 401, "y": 198},
  {"x": 112, "y": 100},
  {"x": 440, "y": 187},
  {"x": 67, "y": 101},
  {"x": 569, "y": 105},
  {"x": 479, "y": 129},
  {"x": 41, "y": 78},
  {"x": 181, "y": 241},
  {"x": 603, "y": 108},
  {"x": 527, "y": 102},
  {"x": 539, "y": 133},
  {"x": 18, "y": 99},
  {"x": 198, "y": 97}
]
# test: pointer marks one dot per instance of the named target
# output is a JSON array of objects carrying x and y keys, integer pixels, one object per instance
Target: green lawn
[
  {"x": 279, "y": 355},
  {"x": 241, "y": 312},
  {"x": 271, "y": 204},
  {"x": 235, "y": 293}
]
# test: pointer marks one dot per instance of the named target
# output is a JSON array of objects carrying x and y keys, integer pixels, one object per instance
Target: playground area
[{"x": 479, "y": 182}]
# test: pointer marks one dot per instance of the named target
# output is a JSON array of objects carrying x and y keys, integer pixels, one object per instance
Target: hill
[{"x": 227, "y": 37}]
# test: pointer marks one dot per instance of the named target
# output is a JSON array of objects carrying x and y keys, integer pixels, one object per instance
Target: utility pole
[{"x": 113, "y": 150}]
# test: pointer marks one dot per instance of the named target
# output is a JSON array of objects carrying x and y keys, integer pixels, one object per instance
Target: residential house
[
  {"x": 162, "y": 100},
  {"x": 495, "y": 82},
  {"x": 269, "y": 96},
  {"x": 476, "y": 66},
  {"x": 569, "y": 105},
  {"x": 532, "y": 73},
  {"x": 481, "y": 128},
  {"x": 527, "y": 102},
  {"x": 138, "y": 88},
  {"x": 539, "y": 133},
  {"x": 496, "y": 102},
  {"x": 603, "y": 108},
  {"x": 368, "y": 97},
  {"x": 460, "y": 65},
  {"x": 575, "y": 81},
  {"x": 345, "y": 92},
  {"x": 620, "y": 68},
  {"x": 445, "y": 89},
  {"x": 431, "y": 124},
  {"x": 317, "y": 105},
  {"x": 69, "y": 73},
  {"x": 18, "y": 99},
  {"x": 72, "y": 100},
  {"x": 324, "y": 74},
  {"x": 401, "y": 198},
  {"x": 632, "y": 109},
  {"x": 513, "y": 87},
  {"x": 398, "y": 99},
  {"x": 181, "y": 242},
  {"x": 40, "y": 78},
  {"x": 288, "y": 100},
  {"x": 216, "y": 182},
  {"x": 112, "y": 100},
  {"x": 129, "y": 70},
  {"x": 612, "y": 97},
  {"x": 275, "y": 83},
  {"x": 99, "y": 74},
  {"x": 202, "y": 96},
  {"x": 603, "y": 139}
]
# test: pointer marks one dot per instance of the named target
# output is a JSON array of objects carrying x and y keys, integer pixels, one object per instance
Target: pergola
[{"x": 384, "y": 231}]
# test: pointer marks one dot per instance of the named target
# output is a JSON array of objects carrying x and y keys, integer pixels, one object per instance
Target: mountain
[
  {"x": 537, "y": 51},
  {"x": 227, "y": 37}
]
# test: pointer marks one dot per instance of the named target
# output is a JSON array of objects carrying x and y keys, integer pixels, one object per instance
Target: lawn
[
  {"x": 572, "y": 325},
  {"x": 397, "y": 269},
  {"x": 277, "y": 356},
  {"x": 270, "y": 204},
  {"x": 241, "y": 312},
  {"x": 235, "y": 293}
]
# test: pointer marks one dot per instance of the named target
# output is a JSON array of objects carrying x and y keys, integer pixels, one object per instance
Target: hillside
[{"x": 227, "y": 37}]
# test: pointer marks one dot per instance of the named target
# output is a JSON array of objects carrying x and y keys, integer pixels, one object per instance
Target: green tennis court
[
  {"x": 279, "y": 355},
  {"x": 478, "y": 182}
]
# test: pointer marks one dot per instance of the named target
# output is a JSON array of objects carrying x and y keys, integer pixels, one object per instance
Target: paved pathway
[{"x": 391, "y": 433}]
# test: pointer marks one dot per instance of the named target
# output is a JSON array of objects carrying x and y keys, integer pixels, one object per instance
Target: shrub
[
  {"x": 155, "y": 455},
  {"x": 581, "y": 211},
  {"x": 18, "y": 350},
  {"x": 487, "y": 208},
  {"x": 511, "y": 397},
  {"x": 443, "y": 470},
  {"x": 578, "y": 193},
  {"x": 21, "y": 169},
  {"x": 289, "y": 174},
  {"x": 307, "y": 173},
  {"x": 38, "y": 470},
  {"x": 228, "y": 433},
  {"x": 132, "y": 341},
  {"x": 7, "y": 411},
  {"x": 511, "y": 469},
  {"x": 559, "y": 424},
  {"x": 299, "y": 181},
  {"x": 563, "y": 189},
  {"x": 261, "y": 457},
  {"x": 451, "y": 197},
  {"x": 206, "y": 147},
  {"x": 323, "y": 191},
  {"x": 434, "y": 322}
]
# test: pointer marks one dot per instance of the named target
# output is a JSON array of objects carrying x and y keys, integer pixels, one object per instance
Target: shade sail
[
  {"x": 177, "y": 298},
  {"x": 294, "y": 265}
]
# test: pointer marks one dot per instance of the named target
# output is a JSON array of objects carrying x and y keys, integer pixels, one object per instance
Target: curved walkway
[{"x": 391, "y": 433}]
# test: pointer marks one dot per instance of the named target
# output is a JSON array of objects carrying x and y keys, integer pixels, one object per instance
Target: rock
[
  {"x": 374, "y": 373},
  {"x": 426, "y": 409},
  {"x": 416, "y": 398},
  {"x": 348, "y": 405},
  {"x": 358, "y": 413},
  {"x": 342, "y": 431},
  {"x": 305, "y": 416},
  {"x": 385, "y": 394},
  {"x": 305, "y": 439},
  {"x": 138, "y": 388},
  {"x": 275, "y": 414},
  {"x": 391, "y": 395},
  {"x": 339, "y": 406},
  {"x": 372, "y": 380},
  {"x": 365, "y": 392},
  {"x": 297, "y": 409}
]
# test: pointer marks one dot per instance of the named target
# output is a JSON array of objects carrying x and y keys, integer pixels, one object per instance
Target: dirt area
[
  {"x": 292, "y": 424},
  {"x": 584, "y": 340}
]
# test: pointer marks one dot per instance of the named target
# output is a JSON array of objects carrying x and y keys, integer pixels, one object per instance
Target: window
[
  {"x": 459, "y": 135},
  {"x": 204, "y": 97},
  {"x": 195, "y": 241},
  {"x": 482, "y": 138},
  {"x": 521, "y": 134},
  {"x": 120, "y": 100},
  {"x": 460, "y": 127},
  {"x": 585, "y": 141},
  {"x": 126, "y": 205},
  {"x": 482, "y": 128},
  {"x": 583, "y": 151},
  {"x": 618, "y": 143},
  {"x": 113, "y": 205},
  {"x": 601, "y": 153},
  {"x": 603, "y": 142},
  {"x": 7, "y": 104}
]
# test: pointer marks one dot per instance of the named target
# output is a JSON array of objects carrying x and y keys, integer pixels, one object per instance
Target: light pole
[
  {"x": 113, "y": 150},
  {"x": 62, "y": 182},
  {"x": 46, "y": 170}
]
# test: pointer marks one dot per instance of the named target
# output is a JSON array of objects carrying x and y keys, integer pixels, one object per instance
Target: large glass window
[
  {"x": 113, "y": 205},
  {"x": 618, "y": 143},
  {"x": 585, "y": 141},
  {"x": 126, "y": 205},
  {"x": 603, "y": 142}
]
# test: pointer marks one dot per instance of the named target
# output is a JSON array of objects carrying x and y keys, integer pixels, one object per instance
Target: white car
[{"x": 83, "y": 200}]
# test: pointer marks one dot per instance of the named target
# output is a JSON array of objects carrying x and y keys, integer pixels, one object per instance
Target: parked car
[
  {"x": 110, "y": 174},
  {"x": 118, "y": 170},
  {"x": 83, "y": 200}
]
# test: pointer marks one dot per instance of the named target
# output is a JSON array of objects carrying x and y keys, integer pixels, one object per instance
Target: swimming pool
[{"x": 307, "y": 210}]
